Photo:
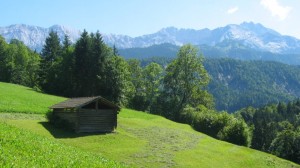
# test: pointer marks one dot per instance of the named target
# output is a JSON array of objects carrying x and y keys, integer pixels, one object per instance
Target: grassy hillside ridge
[
  {"x": 21, "y": 99},
  {"x": 141, "y": 140}
]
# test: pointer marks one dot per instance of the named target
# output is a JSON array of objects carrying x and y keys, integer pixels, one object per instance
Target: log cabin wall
[
  {"x": 70, "y": 116},
  {"x": 96, "y": 120}
]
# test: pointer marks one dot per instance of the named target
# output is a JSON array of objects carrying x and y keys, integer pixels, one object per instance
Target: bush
[
  {"x": 222, "y": 126},
  {"x": 235, "y": 132}
]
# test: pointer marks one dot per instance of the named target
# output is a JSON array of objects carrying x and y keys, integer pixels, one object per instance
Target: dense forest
[
  {"x": 276, "y": 128},
  {"x": 177, "y": 90},
  {"x": 237, "y": 84}
]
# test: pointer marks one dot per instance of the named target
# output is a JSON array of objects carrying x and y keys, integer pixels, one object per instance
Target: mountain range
[
  {"x": 247, "y": 35},
  {"x": 34, "y": 36}
]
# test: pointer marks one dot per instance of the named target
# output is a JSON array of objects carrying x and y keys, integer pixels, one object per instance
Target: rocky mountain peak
[{"x": 252, "y": 35}]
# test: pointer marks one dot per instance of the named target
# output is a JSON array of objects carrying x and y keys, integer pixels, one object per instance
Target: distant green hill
[{"x": 141, "y": 140}]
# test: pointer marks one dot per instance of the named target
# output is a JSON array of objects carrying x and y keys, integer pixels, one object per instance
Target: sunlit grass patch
[
  {"x": 21, "y": 99},
  {"x": 22, "y": 148}
]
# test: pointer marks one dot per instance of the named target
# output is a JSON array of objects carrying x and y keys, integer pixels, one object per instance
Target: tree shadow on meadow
[
  {"x": 35, "y": 90},
  {"x": 62, "y": 133}
]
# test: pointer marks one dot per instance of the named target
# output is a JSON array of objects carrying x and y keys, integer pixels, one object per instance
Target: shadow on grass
[
  {"x": 35, "y": 90},
  {"x": 61, "y": 133}
]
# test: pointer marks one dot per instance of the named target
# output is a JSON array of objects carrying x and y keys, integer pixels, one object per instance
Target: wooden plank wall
[
  {"x": 96, "y": 120},
  {"x": 69, "y": 116}
]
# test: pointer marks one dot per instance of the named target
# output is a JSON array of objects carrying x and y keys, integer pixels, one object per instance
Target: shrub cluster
[{"x": 222, "y": 125}]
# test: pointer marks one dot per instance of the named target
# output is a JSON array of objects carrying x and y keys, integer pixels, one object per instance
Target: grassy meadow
[
  {"x": 141, "y": 140},
  {"x": 20, "y": 99},
  {"x": 22, "y": 148}
]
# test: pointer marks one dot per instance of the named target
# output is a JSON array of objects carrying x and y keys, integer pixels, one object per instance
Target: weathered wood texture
[
  {"x": 96, "y": 120},
  {"x": 92, "y": 114},
  {"x": 68, "y": 116}
]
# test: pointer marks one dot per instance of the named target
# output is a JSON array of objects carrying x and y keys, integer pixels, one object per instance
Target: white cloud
[
  {"x": 232, "y": 10},
  {"x": 276, "y": 9}
]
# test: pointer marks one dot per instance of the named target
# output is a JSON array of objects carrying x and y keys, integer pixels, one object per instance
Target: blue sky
[{"x": 138, "y": 17}]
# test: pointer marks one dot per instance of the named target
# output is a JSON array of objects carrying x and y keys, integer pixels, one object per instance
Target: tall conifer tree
[
  {"x": 51, "y": 55},
  {"x": 82, "y": 65}
]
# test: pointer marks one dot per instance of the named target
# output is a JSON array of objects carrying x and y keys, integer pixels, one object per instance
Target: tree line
[
  {"x": 276, "y": 128},
  {"x": 87, "y": 68},
  {"x": 18, "y": 64}
]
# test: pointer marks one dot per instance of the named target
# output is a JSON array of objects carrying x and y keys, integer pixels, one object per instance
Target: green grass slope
[
  {"x": 21, "y": 148},
  {"x": 21, "y": 99},
  {"x": 141, "y": 140}
]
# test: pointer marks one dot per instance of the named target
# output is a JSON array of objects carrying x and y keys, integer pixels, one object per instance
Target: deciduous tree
[{"x": 184, "y": 83}]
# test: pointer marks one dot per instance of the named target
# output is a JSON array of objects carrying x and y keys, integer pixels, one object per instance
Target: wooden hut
[{"x": 88, "y": 114}]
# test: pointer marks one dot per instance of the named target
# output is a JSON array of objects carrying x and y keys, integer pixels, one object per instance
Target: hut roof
[{"x": 81, "y": 101}]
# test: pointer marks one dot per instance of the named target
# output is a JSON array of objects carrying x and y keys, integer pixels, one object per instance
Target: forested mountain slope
[
  {"x": 225, "y": 49},
  {"x": 237, "y": 84}
]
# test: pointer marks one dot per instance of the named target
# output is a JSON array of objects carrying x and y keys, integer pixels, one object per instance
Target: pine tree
[
  {"x": 99, "y": 59},
  {"x": 90, "y": 64},
  {"x": 51, "y": 56},
  {"x": 66, "y": 70},
  {"x": 66, "y": 42},
  {"x": 52, "y": 48},
  {"x": 82, "y": 65}
]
